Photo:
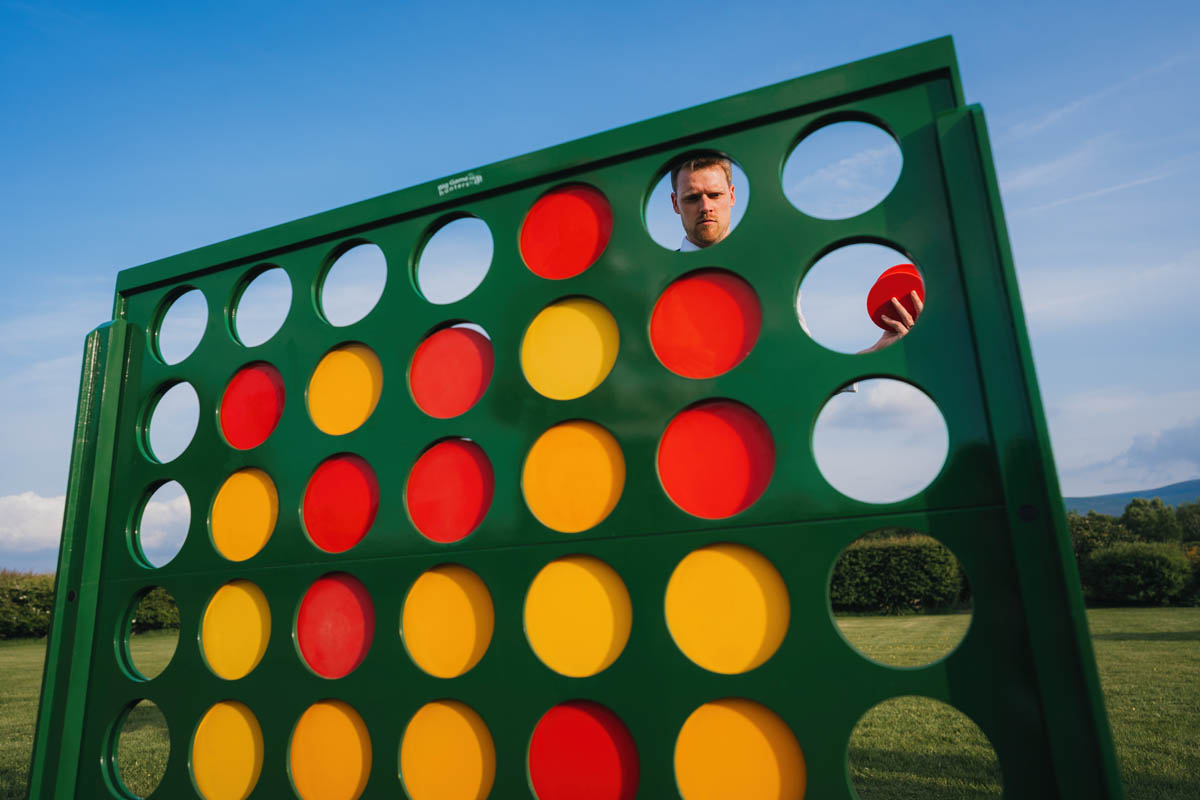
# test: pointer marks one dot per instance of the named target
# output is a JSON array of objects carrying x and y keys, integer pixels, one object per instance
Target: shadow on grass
[
  {"x": 1163, "y": 636},
  {"x": 1147, "y": 786},
  {"x": 13, "y": 783},
  {"x": 901, "y": 775}
]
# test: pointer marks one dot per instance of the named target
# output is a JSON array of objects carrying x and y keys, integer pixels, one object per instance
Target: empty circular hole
[
  {"x": 181, "y": 326},
  {"x": 143, "y": 744},
  {"x": 842, "y": 170},
  {"x": 917, "y": 747},
  {"x": 353, "y": 284},
  {"x": 173, "y": 420},
  {"x": 447, "y": 752},
  {"x": 152, "y": 632},
  {"x": 581, "y": 743},
  {"x": 900, "y": 597},
  {"x": 262, "y": 306},
  {"x": 843, "y": 296},
  {"x": 882, "y": 443},
  {"x": 667, "y": 227},
  {"x": 163, "y": 524},
  {"x": 454, "y": 260}
]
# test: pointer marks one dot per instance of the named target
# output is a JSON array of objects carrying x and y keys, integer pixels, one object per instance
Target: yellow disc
[
  {"x": 227, "y": 752},
  {"x": 447, "y": 754},
  {"x": 330, "y": 756},
  {"x": 236, "y": 627},
  {"x": 573, "y": 476},
  {"x": 578, "y": 615},
  {"x": 344, "y": 388},
  {"x": 727, "y": 608},
  {"x": 569, "y": 348},
  {"x": 447, "y": 621},
  {"x": 244, "y": 514},
  {"x": 738, "y": 748}
]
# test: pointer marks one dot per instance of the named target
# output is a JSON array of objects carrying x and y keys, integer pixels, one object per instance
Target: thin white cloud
[
  {"x": 1054, "y": 170},
  {"x": 1056, "y": 115},
  {"x": 30, "y": 522},
  {"x": 1095, "y": 193}
]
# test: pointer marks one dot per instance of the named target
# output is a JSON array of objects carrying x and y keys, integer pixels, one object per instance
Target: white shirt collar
[{"x": 687, "y": 246}]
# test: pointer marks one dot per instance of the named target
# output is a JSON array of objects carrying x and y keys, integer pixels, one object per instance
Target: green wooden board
[{"x": 1024, "y": 672}]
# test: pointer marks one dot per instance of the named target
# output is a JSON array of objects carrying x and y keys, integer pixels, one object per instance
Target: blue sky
[{"x": 133, "y": 131}]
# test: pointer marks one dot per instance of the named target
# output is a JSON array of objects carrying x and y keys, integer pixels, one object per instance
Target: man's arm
[{"x": 900, "y": 326}]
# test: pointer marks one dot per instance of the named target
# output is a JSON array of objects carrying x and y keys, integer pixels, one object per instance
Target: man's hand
[{"x": 900, "y": 325}]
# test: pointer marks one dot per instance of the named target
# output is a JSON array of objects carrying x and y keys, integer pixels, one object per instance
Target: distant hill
[{"x": 1114, "y": 504}]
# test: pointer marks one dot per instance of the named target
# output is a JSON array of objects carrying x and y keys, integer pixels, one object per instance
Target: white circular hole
[
  {"x": 455, "y": 260},
  {"x": 173, "y": 422},
  {"x": 353, "y": 284},
  {"x": 833, "y": 299},
  {"x": 666, "y": 227},
  {"x": 842, "y": 170},
  {"x": 182, "y": 326},
  {"x": 882, "y": 443},
  {"x": 163, "y": 524},
  {"x": 262, "y": 307}
]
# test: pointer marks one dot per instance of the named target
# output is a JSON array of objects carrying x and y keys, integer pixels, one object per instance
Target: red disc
[
  {"x": 897, "y": 282},
  {"x": 335, "y": 625},
  {"x": 450, "y": 371},
  {"x": 566, "y": 231},
  {"x": 449, "y": 490},
  {"x": 582, "y": 751},
  {"x": 340, "y": 502},
  {"x": 705, "y": 323},
  {"x": 715, "y": 459},
  {"x": 252, "y": 405}
]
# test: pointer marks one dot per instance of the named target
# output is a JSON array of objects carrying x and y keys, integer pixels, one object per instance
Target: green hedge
[
  {"x": 897, "y": 575},
  {"x": 26, "y": 601},
  {"x": 25, "y": 604},
  {"x": 1135, "y": 573}
]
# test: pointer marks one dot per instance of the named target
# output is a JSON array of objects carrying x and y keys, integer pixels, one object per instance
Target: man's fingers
[
  {"x": 897, "y": 326},
  {"x": 902, "y": 313},
  {"x": 918, "y": 304}
]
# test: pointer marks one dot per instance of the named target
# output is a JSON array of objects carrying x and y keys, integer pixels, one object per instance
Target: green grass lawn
[{"x": 1149, "y": 663}]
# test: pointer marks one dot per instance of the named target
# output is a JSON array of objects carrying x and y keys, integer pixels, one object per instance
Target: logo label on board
[{"x": 461, "y": 182}]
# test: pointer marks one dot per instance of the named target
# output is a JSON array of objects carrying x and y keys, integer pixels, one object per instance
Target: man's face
[{"x": 702, "y": 199}]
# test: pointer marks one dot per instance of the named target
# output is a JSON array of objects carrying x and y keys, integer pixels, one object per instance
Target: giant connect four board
[{"x": 588, "y": 554}]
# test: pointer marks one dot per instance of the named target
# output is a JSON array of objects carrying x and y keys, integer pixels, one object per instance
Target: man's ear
[
  {"x": 732, "y": 197},
  {"x": 674, "y": 203}
]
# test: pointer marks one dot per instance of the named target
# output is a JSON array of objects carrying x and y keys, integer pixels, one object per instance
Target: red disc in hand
[{"x": 896, "y": 282}]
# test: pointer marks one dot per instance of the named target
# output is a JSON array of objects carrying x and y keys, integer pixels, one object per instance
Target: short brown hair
[{"x": 701, "y": 162}]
